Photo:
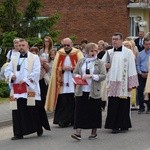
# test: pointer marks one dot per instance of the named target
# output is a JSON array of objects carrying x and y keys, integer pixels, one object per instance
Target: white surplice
[
  {"x": 26, "y": 75},
  {"x": 67, "y": 78},
  {"x": 122, "y": 74}
]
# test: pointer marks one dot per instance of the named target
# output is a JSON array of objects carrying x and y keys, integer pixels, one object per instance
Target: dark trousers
[
  {"x": 43, "y": 88},
  {"x": 118, "y": 113},
  {"x": 29, "y": 119},
  {"x": 140, "y": 91},
  {"x": 24, "y": 122}
]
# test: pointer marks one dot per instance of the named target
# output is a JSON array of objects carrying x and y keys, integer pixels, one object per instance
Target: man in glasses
[
  {"x": 60, "y": 96},
  {"x": 121, "y": 78}
]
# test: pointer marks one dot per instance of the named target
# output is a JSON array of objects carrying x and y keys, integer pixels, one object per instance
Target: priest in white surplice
[
  {"x": 121, "y": 78},
  {"x": 24, "y": 70}
]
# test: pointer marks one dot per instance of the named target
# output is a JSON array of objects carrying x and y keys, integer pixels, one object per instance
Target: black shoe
[
  {"x": 17, "y": 138},
  {"x": 92, "y": 137},
  {"x": 40, "y": 132},
  {"x": 115, "y": 131},
  {"x": 124, "y": 130},
  {"x": 63, "y": 125},
  {"x": 77, "y": 137},
  {"x": 141, "y": 111}
]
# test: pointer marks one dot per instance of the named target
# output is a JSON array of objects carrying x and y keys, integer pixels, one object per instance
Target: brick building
[{"x": 97, "y": 19}]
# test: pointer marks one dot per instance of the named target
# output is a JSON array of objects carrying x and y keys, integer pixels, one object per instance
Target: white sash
[{"x": 31, "y": 93}]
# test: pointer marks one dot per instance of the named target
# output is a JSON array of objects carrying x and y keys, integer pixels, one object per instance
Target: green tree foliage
[
  {"x": 32, "y": 10},
  {"x": 8, "y": 38},
  {"x": 9, "y": 15},
  {"x": 4, "y": 92},
  {"x": 26, "y": 24},
  {"x": 73, "y": 37},
  {"x": 7, "y": 44},
  {"x": 32, "y": 22}
]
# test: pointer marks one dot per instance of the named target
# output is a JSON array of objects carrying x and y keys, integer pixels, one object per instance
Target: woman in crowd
[
  {"x": 131, "y": 45},
  {"x": 43, "y": 87},
  {"x": 100, "y": 54},
  {"x": 83, "y": 44},
  {"x": 15, "y": 51},
  {"x": 47, "y": 46},
  {"x": 87, "y": 108},
  {"x": 52, "y": 55},
  {"x": 44, "y": 54}
]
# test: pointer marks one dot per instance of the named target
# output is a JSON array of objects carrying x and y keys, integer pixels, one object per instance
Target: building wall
[{"x": 91, "y": 19}]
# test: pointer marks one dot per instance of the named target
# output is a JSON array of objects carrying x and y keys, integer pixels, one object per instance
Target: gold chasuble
[{"x": 56, "y": 79}]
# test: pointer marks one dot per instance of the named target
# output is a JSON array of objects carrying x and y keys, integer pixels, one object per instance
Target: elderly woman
[{"x": 87, "y": 108}]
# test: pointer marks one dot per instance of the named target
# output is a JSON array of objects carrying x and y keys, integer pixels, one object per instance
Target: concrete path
[{"x": 5, "y": 115}]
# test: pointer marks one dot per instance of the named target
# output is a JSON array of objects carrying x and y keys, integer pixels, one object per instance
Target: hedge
[{"x": 4, "y": 90}]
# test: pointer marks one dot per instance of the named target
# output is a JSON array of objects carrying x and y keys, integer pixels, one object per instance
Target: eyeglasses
[
  {"x": 64, "y": 45},
  {"x": 115, "y": 39}
]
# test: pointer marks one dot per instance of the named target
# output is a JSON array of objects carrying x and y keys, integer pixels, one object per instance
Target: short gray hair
[{"x": 90, "y": 46}]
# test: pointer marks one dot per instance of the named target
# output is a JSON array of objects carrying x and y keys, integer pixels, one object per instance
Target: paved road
[
  {"x": 5, "y": 114},
  {"x": 138, "y": 138}
]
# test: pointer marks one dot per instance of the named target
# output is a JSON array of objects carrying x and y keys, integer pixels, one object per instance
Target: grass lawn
[{"x": 4, "y": 100}]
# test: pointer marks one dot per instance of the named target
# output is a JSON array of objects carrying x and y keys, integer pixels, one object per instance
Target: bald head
[
  {"x": 67, "y": 40},
  {"x": 67, "y": 44}
]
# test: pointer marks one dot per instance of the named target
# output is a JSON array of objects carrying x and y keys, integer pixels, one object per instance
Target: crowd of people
[{"x": 78, "y": 83}]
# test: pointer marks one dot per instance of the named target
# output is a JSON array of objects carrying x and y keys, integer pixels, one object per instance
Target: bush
[{"x": 4, "y": 91}]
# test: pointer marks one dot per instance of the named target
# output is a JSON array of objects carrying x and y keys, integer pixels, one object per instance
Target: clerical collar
[
  {"x": 23, "y": 55},
  {"x": 118, "y": 49},
  {"x": 67, "y": 52}
]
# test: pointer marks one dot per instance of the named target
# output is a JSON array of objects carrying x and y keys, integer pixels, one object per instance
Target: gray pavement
[
  {"x": 59, "y": 138},
  {"x": 6, "y": 115}
]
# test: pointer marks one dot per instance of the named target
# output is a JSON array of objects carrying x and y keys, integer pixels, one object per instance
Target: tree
[
  {"x": 24, "y": 23},
  {"x": 9, "y": 15},
  {"x": 41, "y": 26},
  {"x": 8, "y": 38}
]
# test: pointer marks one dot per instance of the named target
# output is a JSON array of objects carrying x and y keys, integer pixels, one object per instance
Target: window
[{"x": 134, "y": 26}]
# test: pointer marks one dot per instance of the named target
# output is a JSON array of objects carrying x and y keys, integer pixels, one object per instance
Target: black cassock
[{"x": 29, "y": 119}]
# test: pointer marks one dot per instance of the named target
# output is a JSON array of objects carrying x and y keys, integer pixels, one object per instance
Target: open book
[{"x": 79, "y": 81}]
